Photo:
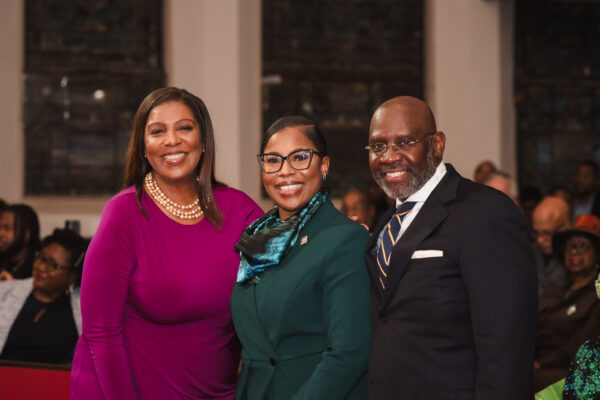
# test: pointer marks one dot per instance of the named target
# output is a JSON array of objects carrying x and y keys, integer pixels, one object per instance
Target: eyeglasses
[
  {"x": 49, "y": 262},
  {"x": 298, "y": 159},
  {"x": 579, "y": 247},
  {"x": 380, "y": 149}
]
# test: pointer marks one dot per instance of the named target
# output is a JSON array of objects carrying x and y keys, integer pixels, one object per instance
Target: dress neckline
[{"x": 146, "y": 198}]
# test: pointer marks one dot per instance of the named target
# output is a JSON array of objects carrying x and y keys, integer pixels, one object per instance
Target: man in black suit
[{"x": 454, "y": 293}]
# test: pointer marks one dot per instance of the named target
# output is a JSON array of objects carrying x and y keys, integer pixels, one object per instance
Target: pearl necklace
[{"x": 187, "y": 211}]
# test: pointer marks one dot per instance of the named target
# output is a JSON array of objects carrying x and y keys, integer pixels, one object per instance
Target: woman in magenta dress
[{"x": 161, "y": 267}]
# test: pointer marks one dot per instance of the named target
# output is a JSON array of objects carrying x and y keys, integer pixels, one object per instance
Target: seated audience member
[
  {"x": 483, "y": 170},
  {"x": 502, "y": 182},
  {"x": 19, "y": 240},
  {"x": 40, "y": 317},
  {"x": 357, "y": 207},
  {"x": 551, "y": 215},
  {"x": 564, "y": 193},
  {"x": 529, "y": 197},
  {"x": 570, "y": 315},
  {"x": 586, "y": 198}
]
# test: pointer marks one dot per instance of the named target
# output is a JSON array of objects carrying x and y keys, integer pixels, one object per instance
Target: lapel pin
[{"x": 304, "y": 240}]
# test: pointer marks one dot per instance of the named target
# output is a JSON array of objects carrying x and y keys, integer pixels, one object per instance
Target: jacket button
[{"x": 272, "y": 361}]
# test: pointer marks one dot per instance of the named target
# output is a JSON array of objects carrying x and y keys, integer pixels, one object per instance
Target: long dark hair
[
  {"x": 137, "y": 166},
  {"x": 26, "y": 228}
]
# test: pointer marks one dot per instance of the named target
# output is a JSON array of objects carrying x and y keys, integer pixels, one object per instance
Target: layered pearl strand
[{"x": 188, "y": 211}]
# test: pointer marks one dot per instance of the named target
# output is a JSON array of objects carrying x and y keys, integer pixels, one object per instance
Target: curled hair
[
  {"x": 73, "y": 243},
  {"x": 137, "y": 166}
]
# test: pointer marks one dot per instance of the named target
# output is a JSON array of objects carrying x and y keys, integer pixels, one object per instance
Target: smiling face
[
  {"x": 580, "y": 256},
  {"x": 289, "y": 188},
  {"x": 173, "y": 142},
  {"x": 403, "y": 172},
  {"x": 49, "y": 283}
]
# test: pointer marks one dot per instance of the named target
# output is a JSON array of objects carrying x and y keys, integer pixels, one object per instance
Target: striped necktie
[{"x": 388, "y": 240}]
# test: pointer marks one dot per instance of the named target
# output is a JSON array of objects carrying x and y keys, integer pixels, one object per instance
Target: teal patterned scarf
[{"x": 265, "y": 242}]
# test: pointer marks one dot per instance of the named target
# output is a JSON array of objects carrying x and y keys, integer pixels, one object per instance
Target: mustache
[{"x": 395, "y": 167}]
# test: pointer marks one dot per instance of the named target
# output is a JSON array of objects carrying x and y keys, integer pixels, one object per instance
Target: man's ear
[{"x": 439, "y": 144}]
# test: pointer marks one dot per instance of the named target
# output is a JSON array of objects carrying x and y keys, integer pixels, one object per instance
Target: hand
[{"x": 6, "y": 276}]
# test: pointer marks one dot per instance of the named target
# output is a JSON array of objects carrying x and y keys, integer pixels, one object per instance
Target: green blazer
[{"x": 305, "y": 327}]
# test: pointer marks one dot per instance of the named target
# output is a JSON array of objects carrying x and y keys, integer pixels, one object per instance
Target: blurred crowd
[{"x": 40, "y": 317}]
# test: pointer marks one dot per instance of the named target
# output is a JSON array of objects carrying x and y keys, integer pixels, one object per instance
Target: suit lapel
[
  {"x": 250, "y": 308},
  {"x": 430, "y": 216},
  {"x": 427, "y": 220}
]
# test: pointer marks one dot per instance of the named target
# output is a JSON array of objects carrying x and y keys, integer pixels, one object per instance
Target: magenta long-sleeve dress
[{"x": 155, "y": 303}]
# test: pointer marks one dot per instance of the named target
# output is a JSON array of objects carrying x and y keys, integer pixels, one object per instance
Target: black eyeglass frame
[
  {"x": 49, "y": 262},
  {"x": 579, "y": 247},
  {"x": 310, "y": 152},
  {"x": 401, "y": 145}
]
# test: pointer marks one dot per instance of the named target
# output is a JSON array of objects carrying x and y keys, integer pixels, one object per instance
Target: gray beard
[{"x": 416, "y": 182}]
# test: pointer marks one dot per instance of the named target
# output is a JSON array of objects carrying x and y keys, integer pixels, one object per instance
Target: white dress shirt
[{"x": 419, "y": 197}]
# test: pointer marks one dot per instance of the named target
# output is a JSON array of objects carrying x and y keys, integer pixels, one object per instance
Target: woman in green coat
[{"x": 301, "y": 304}]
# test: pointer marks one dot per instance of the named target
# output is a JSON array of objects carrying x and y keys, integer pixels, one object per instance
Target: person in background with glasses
[
  {"x": 40, "y": 317},
  {"x": 570, "y": 315},
  {"x": 301, "y": 303},
  {"x": 453, "y": 293}
]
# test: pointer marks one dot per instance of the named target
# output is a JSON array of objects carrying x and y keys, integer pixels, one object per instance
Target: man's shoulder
[
  {"x": 476, "y": 193},
  {"x": 466, "y": 189}
]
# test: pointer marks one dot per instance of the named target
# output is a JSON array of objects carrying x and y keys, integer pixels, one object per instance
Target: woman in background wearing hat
[
  {"x": 583, "y": 380},
  {"x": 570, "y": 315}
]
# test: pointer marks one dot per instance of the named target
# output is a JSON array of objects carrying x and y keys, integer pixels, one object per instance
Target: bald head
[
  {"x": 408, "y": 147},
  {"x": 406, "y": 111},
  {"x": 551, "y": 215},
  {"x": 503, "y": 183}
]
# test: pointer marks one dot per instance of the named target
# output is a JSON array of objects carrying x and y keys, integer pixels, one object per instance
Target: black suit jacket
[{"x": 459, "y": 326}]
